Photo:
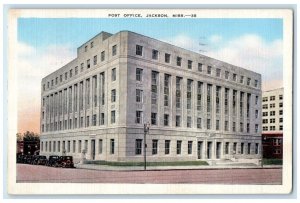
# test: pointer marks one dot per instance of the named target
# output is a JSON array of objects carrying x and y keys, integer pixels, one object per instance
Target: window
[
  {"x": 208, "y": 99},
  {"x": 178, "y": 92},
  {"x": 217, "y": 124},
  {"x": 226, "y": 125},
  {"x": 139, "y": 74},
  {"x": 139, "y": 50},
  {"x": 95, "y": 60},
  {"x": 190, "y": 147},
  {"x": 85, "y": 48},
  {"x": 154, "y": 54},
  {"x": 113, "y": 117},
  {"x": 265, "y": 113},
  {"x": 56, "y": 80},
  {"x": 166, "y": 119},
  {"x": 113, "y": 74},
  {"x": 265, "y": 128},
  {"x": 79, "y": 146},
  {"x": 153, "y": 119},
  {"x": 280, "y": 120},
  {"x": 256, "y": 128},
  {"x": 218, "y": 92},
  {"x": 114, "y": 50},
  {"x": 76, "y": 70},
  {"x": 256, "y": 148},
  {"x": 209, "y": 70},
  {"x": 264, "y": 121},
  {"x": 226, "y": 101},
  {"x": 166, "y": 89},
  {"x": 154, "y": 83},
  {"x": 248, "y": 81},
  {"x": 81, "y": 67},
  {"x": 280, "y": 97},
  {"x": 200, "y": 65},
  {"x": 189, "y": 122},
  {"x": 44, "y": 87},
  {"x": 94, "y": 120},
  {"x": 199, "y": 123},
  {"x": 138, "y": 146},
  {"x": 265, "y": 106},
  {"x": 218, "y": 72},
  {"x": 66, "y": 75},
  {"x": 226, "y": 75},
  {"x": 272, "y": 98},
  {"x": 154, "y": 146},
  {"x": 190, "y": 64},
  {"x": 281, "y": 104},
  {"x": 280, "y": 127},
  {"x": 242, "y": 148},
  {"x": 272, "y": 105},
  {"x": 139, "y": 95},
  {"x": 92, "y": 44},
  {"x": 87, "y": 121},
  {"x": 113, "y": 95},
  {"x": 256, "y": 113},
  {"x": 167, "y": 146},
  {"x": 242, "y": 79},
  {"x": 272, "y": 120},
  {"x": 227, "y": 148},
  {"x": 100, "y": 146},
  {"x": 256, "y": 100},
  {"x": 199, "y": 96},
  {"x": 138, "y": 117},
  {"x": 167, "y": 58},
  {"x": 208, "y": 124},
  {"x": 48, "y": 84},
  {"x": 241, "y": 127},
  {"x": 189, "y": 93},
  {"x": 280, "y": 112},
  {"x": 178, "y": 147},
  {"x": 88, "y": 63},
  {"x": 272, "y": 128},
  {"x": 234, "y": 77},
  {"x": 102, "y": 55},
  {"x": 256, "y": 83},
  {"x": 112, "y": 146},
  {"x": 178, "y": 61},
  {"x": 249, "y": 148},
  {"x": 272, "y": 113},
  {"x": 265, "y": 99},
  {"x": 101, "y": 119},
  {"x": 178, "y": 121}
]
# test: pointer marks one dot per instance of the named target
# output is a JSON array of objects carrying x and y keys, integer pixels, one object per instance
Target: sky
[{"x": 45, "y": 44}]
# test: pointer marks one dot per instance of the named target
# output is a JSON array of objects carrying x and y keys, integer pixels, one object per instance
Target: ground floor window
[
  {"x": 178, "y": 148},
  {"x": 154, "y": 146},
  {"x": 138, "y": 146},
  {"x": 190, "y": 147},
  {"x": 112, "y": 146},
  {"x": 167, "y": 146}
]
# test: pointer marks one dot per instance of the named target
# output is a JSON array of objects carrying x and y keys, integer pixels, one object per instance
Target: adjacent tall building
[
  {"x": 272, "y": 123},
  {"x": 198, "y": 107}
]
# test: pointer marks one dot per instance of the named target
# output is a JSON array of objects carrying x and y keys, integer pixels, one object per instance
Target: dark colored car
[
  {"x": 33, "y": 159},
  {"x": 52, "y": 161},
  {"x": 20, "y": 158},
  {"x": 28, "y": 159},
  {"x": 40, "y": 160},
  {"x": 65, "y": 162}
]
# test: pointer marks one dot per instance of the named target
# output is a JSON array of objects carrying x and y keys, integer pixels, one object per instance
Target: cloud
[
  {"x": 32, "y": 65},
  {"x": 249, "y": 51}
]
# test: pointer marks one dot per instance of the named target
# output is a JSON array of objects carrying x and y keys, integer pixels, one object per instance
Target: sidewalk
[{"x": 157, "y": 168}]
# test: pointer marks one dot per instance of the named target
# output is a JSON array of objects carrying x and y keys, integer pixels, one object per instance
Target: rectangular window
[
  {"x": 88, "y": 63},
  {"x": 265, "y": 99},
  {"x": 102, "y": 55},
  {"x": 234, "y": 98},
  {"x": 166, "y": 119},
  {"x": 154, "y": 83},
  {"x": 256, "y": 100},
  {"x": 113, "y": 74},
  {"x": 167, "y": 58},
  {"x": 256, "y": 128},
  {"x": 208, "y": 125},
  {"x": 178, "y": 147},
  {"x": 281, "y": 104},
  {"x": 166, "y": 89},
  {"x": 75, "y": 122},
  {"x": 226, "y": 75},
  {"x": 199, "y": 96},
  {"x": 178, "y": 92},
  {"x": 100, "y": 146},
  {"x": 153, "y": 119},
  {"x": 218, "y": 72},
  {"x": 154, "y": 146},
  {"x": 256, "y": 148},
  {"x": 248, "y": 127},
  {"x": 249, "y": 148},
  {"x": 208, "y": 99},
  {"x": 272, "y": 98},
  {"x": 139, "y": 50},
  {"x": 87, "y": 93},
  {"x": 241, "y": 104},
  {"x": 87, "y": 121},
  {"x": 234, "y": 76},
  {"x": 226, "y": 126},
  {"x": 265, "y": 113},
  {"x": 95, "y": 97},
  {"x": 138, "y": 117},
  {"x": 190, "y": 147},
  {"x": 74, "y": 146},
  {"x": 209, "y": 70},
  {"x": 178, "y": 61},
  {"x": 94, "y": 121},
  {"x": 113, "y": 95},
  {"x": 264, "y": 121},
  {"x": 81, "y": 121},
  {"x": 241, "y": 127},
  {"x": 248, "y": 81},
  {"x": 189, "y": 93},
  {"x": 256, "y": 113},
  {"x": 226, "y": 101},
  {"x": 81, "y": 67},
  {"x": 190, "y": 64},
  {"x": 199, "y": 123},
  {"x": 102, "y": 89},
  {"x": 114, "y": 50},
  {"x": 272, "y": 105},
  {"x": 242, "y": 148},
  {"x": 79, "y": 146},
  {"x": 280, "y": 127},
  {"x": 178, "y": 121},
  {"x": 112, "y": 146},
  {"x": 234, "y": 147},
  {"x": 189, "y": 122},
  {"x": 76, "y": 70},
  {"x": 227, "y": 148},
  {"x": 113, "y": 117},
  {"x": 242, "y": 79},
  {"x": 139, "y": 95},
  {"x": 272, "y": 113},
  {"x": 85, "y": 48},
  {"x": 102, "y": 119},
  {"x": 218, "y": 95},
  {"x": 217, "y": 124},
  {"x": 139, "y": 74},
  {"x": 265, "y": 106},
  {"x": 66, "y": 75},
  {"x": 154, "y": 54},
  {"x": 95, "y": 60},
  {"x": 138, "y": 146},
  {"x": 281, "y": 97},
  {"x": 167, "y": 146},
  {"x": 200, "y": 65},
  {"x": 280, "y": 120}
]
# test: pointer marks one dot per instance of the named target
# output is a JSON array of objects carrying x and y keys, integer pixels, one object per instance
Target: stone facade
[{"x": 198, "y": 107}]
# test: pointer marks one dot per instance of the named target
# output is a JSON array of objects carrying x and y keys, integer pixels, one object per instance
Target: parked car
[
  {"x": 40, "y": 160},
  {"x": 65, "y": 162},
  {"x": 33, "y": 159},
  {"x": 52, "y": 160},
  {"x": 20, "y": 158},
  {"x": 28, "y": 159}
]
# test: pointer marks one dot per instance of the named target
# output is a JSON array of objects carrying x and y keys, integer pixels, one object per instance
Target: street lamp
[{"x": 146, "y": 130}]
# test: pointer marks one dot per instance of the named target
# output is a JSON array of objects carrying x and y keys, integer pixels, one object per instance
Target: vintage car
[
  {"x": 40, "y": 160},
  {"x": 65, "y": 162},
  {"x": 52, "y": 161},
  {"x": 20, "y": 158},
  {"x": 33, "y": 159}
]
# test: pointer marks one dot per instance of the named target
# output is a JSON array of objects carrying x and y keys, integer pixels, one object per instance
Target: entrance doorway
[
  {"x": 93, "y": 149},
  {"x": 218, "y": 150},
  {"x": 209, "y": 148},
  {"x": 199, "y": 149}
]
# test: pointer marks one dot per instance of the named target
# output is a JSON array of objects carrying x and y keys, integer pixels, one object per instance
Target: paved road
[{"x": 43, "y": 174}]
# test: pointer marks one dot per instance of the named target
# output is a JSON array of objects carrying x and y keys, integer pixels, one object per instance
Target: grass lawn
[
  {"x": 272, "y": 161},
  {"x": 175, "y": 163}
]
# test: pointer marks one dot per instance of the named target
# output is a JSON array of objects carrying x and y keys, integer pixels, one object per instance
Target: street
[{"x": 43, "y": 174}]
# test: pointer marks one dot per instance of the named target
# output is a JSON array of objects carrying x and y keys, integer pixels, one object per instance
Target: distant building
[
  {"x": 272, "y": 123},
  {"x": 199, "y": 108}
]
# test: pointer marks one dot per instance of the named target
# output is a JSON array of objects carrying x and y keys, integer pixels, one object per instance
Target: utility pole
[{"x": 146, "y": 130}]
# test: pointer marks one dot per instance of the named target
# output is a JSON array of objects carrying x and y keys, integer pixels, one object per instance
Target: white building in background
[{"x": 199, "y": 108}]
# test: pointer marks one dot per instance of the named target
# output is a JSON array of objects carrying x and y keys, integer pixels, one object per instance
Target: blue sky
[{"x": 41, "y": 32}]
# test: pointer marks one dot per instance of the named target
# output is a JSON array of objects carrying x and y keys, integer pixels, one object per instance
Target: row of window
[
  {"x": 272, "y": 98},
  {"x": 218, "y": 72},
  {"x": 272, "y": 113},
  {"x": 272, "y": 120},
  {"x": 273, "y": 105},
  {"x": 69, "y": 74},
  {"x": 272, "y": 128}
]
